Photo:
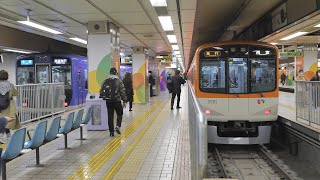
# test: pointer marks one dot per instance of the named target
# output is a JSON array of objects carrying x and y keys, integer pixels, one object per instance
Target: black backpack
[
  {"x": 109, "y": 89},
  {"x": 4, "y": 101}
]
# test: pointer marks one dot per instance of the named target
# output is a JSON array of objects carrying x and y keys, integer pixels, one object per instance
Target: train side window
[
  {"x": 212, "y": 76},
  {"x": 263, "y": 73}
]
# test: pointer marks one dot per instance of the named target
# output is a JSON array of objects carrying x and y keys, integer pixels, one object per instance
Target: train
[
  {"x": 236, "y": 85},
  {"x": 69, "y": 69}
]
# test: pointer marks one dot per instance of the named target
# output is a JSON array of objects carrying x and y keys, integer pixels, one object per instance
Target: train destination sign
[
  {"x": 290, "y": 54},
  {"x": 212, "y": 53}
]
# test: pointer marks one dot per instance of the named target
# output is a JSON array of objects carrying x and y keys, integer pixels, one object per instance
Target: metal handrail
[
  {"x": 307, "y": 101},
  {"x": 37, "y": 101},
  {"x": 198, "y": 136}
]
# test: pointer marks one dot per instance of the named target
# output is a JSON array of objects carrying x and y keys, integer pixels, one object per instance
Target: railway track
[{"x": 246, "y": 163}]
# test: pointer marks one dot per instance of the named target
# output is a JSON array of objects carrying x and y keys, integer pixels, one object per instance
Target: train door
[
  {"x": 43, "y": 73},
  {"x": 80, "y": 89},
  {"x": 238, "y": 86}
]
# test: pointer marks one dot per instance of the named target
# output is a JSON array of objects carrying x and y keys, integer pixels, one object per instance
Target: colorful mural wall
[
  {"x": 163, "y": 78},
  {"x": 310, "y": 64}
]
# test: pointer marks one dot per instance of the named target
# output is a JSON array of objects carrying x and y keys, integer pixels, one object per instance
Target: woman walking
[
  {"x": 7, "y": 103},
  {"x": 127, "y": 81}
]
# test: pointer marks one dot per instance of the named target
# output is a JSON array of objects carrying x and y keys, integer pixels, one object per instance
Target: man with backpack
[
  {"x": 175, "y": 86},
  {"x": 113, "y": 91}
]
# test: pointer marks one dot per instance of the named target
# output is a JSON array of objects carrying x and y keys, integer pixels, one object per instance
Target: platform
[
  {"x": 287, "y": 115},
  {"x": 154, "y": 144}
]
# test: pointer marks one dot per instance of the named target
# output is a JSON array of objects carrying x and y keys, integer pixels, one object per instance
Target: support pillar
[
  {"x": 163, "y": 79},
  {"x": 310, "y": 63},
  {"x": 103, "y": 52},
  {"x": 140, "y": 77}
]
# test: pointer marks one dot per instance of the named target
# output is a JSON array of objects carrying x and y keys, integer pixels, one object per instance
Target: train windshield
[
  {"x": 61, "y": 74},
  {"x": 238, "y": 69}
]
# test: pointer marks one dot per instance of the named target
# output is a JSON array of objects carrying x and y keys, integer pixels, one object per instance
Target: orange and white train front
[{"x": 236, "y": 83}]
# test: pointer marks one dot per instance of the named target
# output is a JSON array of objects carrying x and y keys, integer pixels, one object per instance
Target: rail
[
  {"x": 37, "y": 101},
  {"x": 198, "y": 136}
]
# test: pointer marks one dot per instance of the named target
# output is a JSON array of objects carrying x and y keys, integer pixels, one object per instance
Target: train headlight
[
  {"x": 267, "y": 112},
  {"x": 207, "y": 112}
]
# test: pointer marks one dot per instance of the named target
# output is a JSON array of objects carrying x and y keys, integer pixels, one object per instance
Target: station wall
[{"x": 9, "y": 64}]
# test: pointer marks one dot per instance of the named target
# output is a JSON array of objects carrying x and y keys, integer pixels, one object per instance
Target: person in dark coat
[
  {"x": 151, "y": 83},
  {"x": 316, "y": 77},
  {"x": 127, "y": 81},
  {"x": 283, "y": 78},
  {"x": 177, "y": 81}
]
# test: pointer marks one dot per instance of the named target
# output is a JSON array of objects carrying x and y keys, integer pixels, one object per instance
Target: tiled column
[{"x": 103, "y": 53}]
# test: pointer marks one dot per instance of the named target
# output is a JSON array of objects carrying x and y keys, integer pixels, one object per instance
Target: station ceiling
[{"x": 195, "y": 21}]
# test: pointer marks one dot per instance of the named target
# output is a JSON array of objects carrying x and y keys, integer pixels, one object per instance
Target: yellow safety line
[
  {"x": 287, "y": 106},
  {"x": 109, "y": 175},
  {"x": 87, "y": 170}
]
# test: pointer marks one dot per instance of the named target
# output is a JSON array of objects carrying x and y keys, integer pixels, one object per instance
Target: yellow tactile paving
[
  {"x": 288, "y": 106},
  {"x": 134, "y": 156},
  {"x": 89, "y": 168}
]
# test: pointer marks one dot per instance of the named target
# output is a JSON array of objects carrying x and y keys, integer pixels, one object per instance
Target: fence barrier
[
  {"x": 36, "y": 101},
  {"x": 308, "y": 101}
]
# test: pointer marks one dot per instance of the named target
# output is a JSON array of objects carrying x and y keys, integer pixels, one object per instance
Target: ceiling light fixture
[
  {"x": 175, "y": 47},
  {"x": 166, "y": 23},
  {"x": 274, "y": 43},
  {"x": 317, "y": 25},
  {"x": 176, "y": 52},
  {"x": 178, "y": 56},
  {"x": 172, "y": 38},
  {"x": 158, "y": 3},
  {"x": 79, "y": 40},
  {"x": 39, "y": 26},
  {"x": 293, "y": 35},
  {"x": 17, "y": 51}
]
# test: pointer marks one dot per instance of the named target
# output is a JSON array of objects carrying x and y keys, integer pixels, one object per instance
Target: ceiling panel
[
  {"x": 188, "y": 4},
  {"x": 126, "y": 37},
  {"x": 80, "y": 31},
  {"x": 12, "y": 2},
  {"x": 55, "y": 20},
  {"x": 36, "y": 9},
  {"x": 111, "y": 6},
  {"x": 187, "y": 16},
  {"x": 84, "y": 17},
  {"x": 141, "y": 28},
  {"x": 131, "y": 18},
  {"x": 70, "y": 6},
  {"x": 146, "y": 36}
]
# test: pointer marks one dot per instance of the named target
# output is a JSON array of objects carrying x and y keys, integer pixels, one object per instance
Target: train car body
[
  {"x": 236, "y": 84},
  {"x": 71, "y": 70}
]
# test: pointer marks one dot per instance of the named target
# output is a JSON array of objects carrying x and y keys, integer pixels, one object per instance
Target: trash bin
[{"x": 99, "y": 120}]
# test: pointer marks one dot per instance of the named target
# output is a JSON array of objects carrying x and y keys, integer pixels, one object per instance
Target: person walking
[
  {"x": 283, "y": 79},
  {"x": 176, "y": 81},
  {"x": 127, "y": 82},
  {"x": 113, "y": 92},
  {"x": 151, "y": 83},
  {"x": 7, "y": 103}
]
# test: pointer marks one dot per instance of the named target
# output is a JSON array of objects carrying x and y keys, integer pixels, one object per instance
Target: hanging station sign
[
  {"x": 164, "y": 58},
  {"x": 290, "y": 54}
]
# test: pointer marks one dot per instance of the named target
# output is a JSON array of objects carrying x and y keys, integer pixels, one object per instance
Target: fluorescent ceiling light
[
  {"x": 172, "y": 38},
  {"x": 294, "y": 35},
  {"x": 175, "y": 47},
  {"x": 317, "y": 25},
  {"x": 274, "y": 43},
  {"x": 39, "y": 26},
  {"x": 17, "y": 51},
  {"x": 176, "y": 52},
  {"x": 159, "y": 57},
  {"x": 158, "y": 3},
  {"x": 178, "y": 56},
  {"x": 79, "y": 40},
  {"x": 166, "y": 23}
]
